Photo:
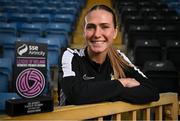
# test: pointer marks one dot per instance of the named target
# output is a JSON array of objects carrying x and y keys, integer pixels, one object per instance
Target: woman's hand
[{"x": 129, "y": 82}]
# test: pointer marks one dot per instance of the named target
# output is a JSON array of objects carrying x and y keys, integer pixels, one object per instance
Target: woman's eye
[
  {"x": 90, "y": 27},
  {"x": 104, "y": 27}
]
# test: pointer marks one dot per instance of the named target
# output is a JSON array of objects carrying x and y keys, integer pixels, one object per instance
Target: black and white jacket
[{"x": 85, "y": 81}]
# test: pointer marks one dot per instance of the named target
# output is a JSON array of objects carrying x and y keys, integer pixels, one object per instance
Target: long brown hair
[{"x": 118, "y": 63}]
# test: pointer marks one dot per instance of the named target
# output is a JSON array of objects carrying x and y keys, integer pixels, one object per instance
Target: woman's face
[{"x": 99, "y": 31}]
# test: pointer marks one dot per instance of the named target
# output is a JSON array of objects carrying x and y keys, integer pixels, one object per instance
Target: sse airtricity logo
[
  {"x": 30, "y": 83},
  {"x": 22, "y": 49}
]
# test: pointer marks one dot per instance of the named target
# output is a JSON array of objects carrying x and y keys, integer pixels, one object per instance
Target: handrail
[{"x": 166, "y": 107}]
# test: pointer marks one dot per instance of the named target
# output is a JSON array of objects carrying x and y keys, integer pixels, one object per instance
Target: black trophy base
[{"x": 16, "y": 107}]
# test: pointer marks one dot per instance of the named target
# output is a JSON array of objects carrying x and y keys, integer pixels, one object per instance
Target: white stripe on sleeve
[{"x": 67, "y": 64}]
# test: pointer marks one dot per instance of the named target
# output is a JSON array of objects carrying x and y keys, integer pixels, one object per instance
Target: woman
[{"x": 98, "y": 72}]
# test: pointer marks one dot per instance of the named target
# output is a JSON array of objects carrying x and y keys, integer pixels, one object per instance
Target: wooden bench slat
[{"x": 82, "y": 112}]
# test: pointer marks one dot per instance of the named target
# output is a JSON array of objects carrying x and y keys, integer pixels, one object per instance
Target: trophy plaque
[{"x": 30, "y": 80}]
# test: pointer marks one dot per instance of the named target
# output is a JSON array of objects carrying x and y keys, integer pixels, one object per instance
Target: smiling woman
[{"x": 98, "y": 72}]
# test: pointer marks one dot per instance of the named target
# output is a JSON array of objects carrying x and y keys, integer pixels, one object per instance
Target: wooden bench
[{"x": 165, "y": 108}]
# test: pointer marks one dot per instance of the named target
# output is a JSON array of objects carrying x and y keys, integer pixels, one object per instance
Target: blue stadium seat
[
  {"x": 54, "y": 3},
  {"x": 8, "y": 43},
  {"x": 18, "y": 17},
  {"x": 62, "y": 38},
  {"x": 5, "y": 73},
  {"x": 75, "y": 4},
  {"x": 26, "y": 38},
  {"x": 12, "y": 9},
  {"x": 48, "y": 10},
  {"x": 8, "y": 28},
  {"x": 20, "y": 3},
  {"x": 68, "y": 10},
  {"x": 35, "y": 29},
  {"x": 30, "y": 9},
  {"x": 48, "y": 80},
  {"x": 40, "y": 17},
  {"x": 3, "y": 17},
  {"x": 54, "y": 49},
  {"x": 64, "y": 18},
  {"x": 56, "y": 28},
  {"x": 38, "y": 3}
]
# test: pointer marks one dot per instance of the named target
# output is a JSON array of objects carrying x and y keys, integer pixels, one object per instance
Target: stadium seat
[
  {"x": 62, "y": 38},
  {"x": 40, "y": 17},
  {"x": 30, "y": 9},
  {"x": 173, "y": 20},
  {"x": 146, "y": 11},
  {"x": 126, "y": 12},
  {"x": 173, "y": 52},
  {"x": 120, "y": 5},
  {"x": 3, "y": 17},
  {"x": 160, "y": 5},
  {"x": 5, "y": 74},
  {"x": 167, "y": 12},
  {"x": 68, "y": 10},
  {"x": 54, "y": 49},
  {"x": 20, "y": 3},
  {"x": 48, "y": 10},
  {"x": 35, "y": 29},
  {"x": 55, "y": 3},
  {"x": 154, "y": 20},
  {"x": 56, "y": 28},
  {"x": 4, "y": 82},
  {"x": 10, "y": 28},
  {"x": 163, "y": 75},
  {"x": 137, "y": 32},
  {"x": 12, "y": 9},
  {"x": 131, "y": 20},
  {"x": 18, "y": 17},
  {"x": 8, "y": 43},
  {"x": 165, "y": 32},
  {"x": 147, "y": 50},
  {"x": 64, "y": 18},
  {"x": 38, "y": 3}
]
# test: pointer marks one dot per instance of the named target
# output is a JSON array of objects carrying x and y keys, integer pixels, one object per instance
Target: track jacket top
[{"x": 85, "y": 81}]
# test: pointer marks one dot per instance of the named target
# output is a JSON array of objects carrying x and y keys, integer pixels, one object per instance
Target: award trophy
[{"x": 30, "y": 80}]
